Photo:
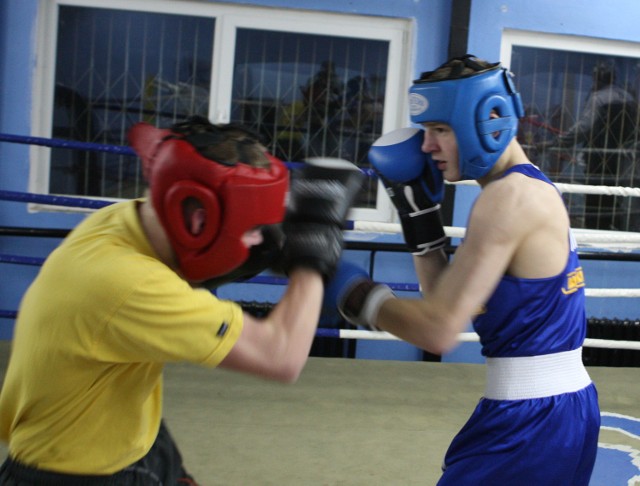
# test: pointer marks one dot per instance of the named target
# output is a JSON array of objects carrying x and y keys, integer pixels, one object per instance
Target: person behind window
[
  {"x": 124, "y": 294},
  {"x": 323, "y": 94},
  {"x": 607, "y": 130},
  {"x": 322, "y": 97},
  {"x": 516, "y": 276}
]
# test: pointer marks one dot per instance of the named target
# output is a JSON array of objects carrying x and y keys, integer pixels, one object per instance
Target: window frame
[
  {"x": 399, "y": 32},
  {"x": 565, "y": 43}
]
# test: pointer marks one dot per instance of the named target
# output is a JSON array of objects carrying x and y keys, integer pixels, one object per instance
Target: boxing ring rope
[
  {"x": 68, "y": 144},
  {"x": 378, "y": 335},
  {"x": 401, "y": 287},
  {"x": 580, "y": 189},
  {"x": 463, "y": 337},
  {"x": 52, "y": 200},
  {"x": 625, "y": 240},
  {"x": 622, "y": 239},
  {"x": 613, "y": 239}
]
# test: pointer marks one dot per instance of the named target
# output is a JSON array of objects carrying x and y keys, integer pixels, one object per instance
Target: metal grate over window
[
  {"x": 311, "y": 95},
  {"x": 581, "y": 126},
  {"x": 307, "y": 94},
  {"x": 113, "y": 69}
]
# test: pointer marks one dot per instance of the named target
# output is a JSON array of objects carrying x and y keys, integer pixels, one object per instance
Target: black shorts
[{"x": 161, "y": 466}]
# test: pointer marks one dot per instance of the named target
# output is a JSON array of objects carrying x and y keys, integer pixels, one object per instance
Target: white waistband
[{"x": 535, "y": 376}]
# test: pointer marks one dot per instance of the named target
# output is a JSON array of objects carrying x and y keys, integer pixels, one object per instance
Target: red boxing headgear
[{"x": 236, "y": 198}]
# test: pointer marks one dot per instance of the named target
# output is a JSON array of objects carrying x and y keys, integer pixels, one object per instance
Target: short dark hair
[
  {"x": 227, "y": 144},
  {"x": 458, "y": 67}
]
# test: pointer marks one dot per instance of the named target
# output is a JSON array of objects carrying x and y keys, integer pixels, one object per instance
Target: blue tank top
[{"x": 529, "y": 317}]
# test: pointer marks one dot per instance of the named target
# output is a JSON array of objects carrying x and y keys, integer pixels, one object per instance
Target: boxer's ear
[{"x": 194, "y": 216}]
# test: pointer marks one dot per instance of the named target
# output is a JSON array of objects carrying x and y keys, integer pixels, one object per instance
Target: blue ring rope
[
  {"x": 21, "y": 260},
  {"x": 80, "y": 202},
  {"x": 320, "y": 332},
  {"x": 68, "y": 144},
  {"x": 101, "y": 147},
  {"x": 259, "y": 279},
  {"x": 86, "y": 203},
  {"x": 77, "y": 202}
]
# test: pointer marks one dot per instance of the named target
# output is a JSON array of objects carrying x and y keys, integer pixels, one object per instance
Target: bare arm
[
  {"x": 498, "y": 240},
  {"x": 429, "y": 267},
  {"x": 433, "y": 323},
  {"x": 277, "y": 346}
]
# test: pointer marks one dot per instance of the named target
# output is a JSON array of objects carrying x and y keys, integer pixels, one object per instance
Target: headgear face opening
[
  {"x": 236, "y": 198},
  {"x": 465, "y": 104}
]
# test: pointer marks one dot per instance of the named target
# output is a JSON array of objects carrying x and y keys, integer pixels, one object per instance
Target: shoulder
[
  {"x": 516, "y": 202},
  {"x": 506, "y": 194},
  {"x": 518, "y": 190}
]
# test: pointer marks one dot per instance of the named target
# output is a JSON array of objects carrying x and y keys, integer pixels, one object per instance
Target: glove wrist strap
[
  {"x": 362, "y": 303},
  {"x": 423, "y": 231}
]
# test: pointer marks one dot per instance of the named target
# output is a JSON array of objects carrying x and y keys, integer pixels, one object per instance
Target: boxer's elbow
[
  {"x": 288, "y": 371},
  {"x": 441, "y": 343},
  {"x": 440, "y": 330},
  {"x": 289, "y": 358},
  {"x": 291, "y": 375}
]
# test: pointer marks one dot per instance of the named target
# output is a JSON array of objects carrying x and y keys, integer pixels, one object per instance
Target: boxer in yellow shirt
[{"x": 121, "y": 296}]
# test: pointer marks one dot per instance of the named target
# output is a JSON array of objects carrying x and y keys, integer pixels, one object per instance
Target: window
[
  {"x": 113, "y": 69},
  {"x": 311, "y": 84},
  {"x": 582, "y": 119},
  {"x": 311, "y": 95}
]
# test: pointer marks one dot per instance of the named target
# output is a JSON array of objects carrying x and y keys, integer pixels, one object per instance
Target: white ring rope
[
  {"x": 614, "y": 240},
  {"x": 610, "y": 240},
  {"x": 612, "y": 292},
  {"x": 620, "y": 241},
  {"x": 472, "y": 337},
  {"x": 583, "y": 237},
  {"x": 605, "y": 190},
  {"x": 579, "y": 189},
  {"x": 617, "y": 240}
]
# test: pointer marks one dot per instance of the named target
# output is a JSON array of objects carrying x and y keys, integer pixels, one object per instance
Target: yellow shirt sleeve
[{"x": 164, "y": 319}]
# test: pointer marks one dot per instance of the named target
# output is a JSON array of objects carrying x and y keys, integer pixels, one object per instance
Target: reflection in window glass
[
  {"x": 311, "y": 95},
  {"x": 581, "y": 126},
  {"x": 113, "y": 69}
]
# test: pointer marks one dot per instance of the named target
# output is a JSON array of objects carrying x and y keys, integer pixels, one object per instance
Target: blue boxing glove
[
  {"x": 415, "y": 186},
  {"x": 355, "y": 295}
]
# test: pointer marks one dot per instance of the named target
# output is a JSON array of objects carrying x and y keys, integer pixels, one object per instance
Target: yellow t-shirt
[{"x": 83, "y": 390}]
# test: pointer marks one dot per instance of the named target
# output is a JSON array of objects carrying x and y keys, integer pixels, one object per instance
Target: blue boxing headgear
[{"x": 465, "y": 103}]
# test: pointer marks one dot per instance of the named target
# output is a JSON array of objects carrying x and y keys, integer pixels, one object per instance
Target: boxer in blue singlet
[
  {"x": 543, "y": 429},
  {"x": 516, "y": 277}
]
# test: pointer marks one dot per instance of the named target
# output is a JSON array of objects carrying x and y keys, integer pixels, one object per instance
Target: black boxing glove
[
  {"x": 261, "y": 257},
  {"x": 321, "y": 195}
]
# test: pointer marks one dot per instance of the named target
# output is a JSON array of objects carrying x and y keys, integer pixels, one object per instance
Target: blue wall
[
  {"x": 17, "y": 63},
  {"x": 614, "y": 19}
]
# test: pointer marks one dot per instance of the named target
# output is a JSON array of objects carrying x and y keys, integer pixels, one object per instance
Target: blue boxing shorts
[{"x": 538, "y": 441}]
